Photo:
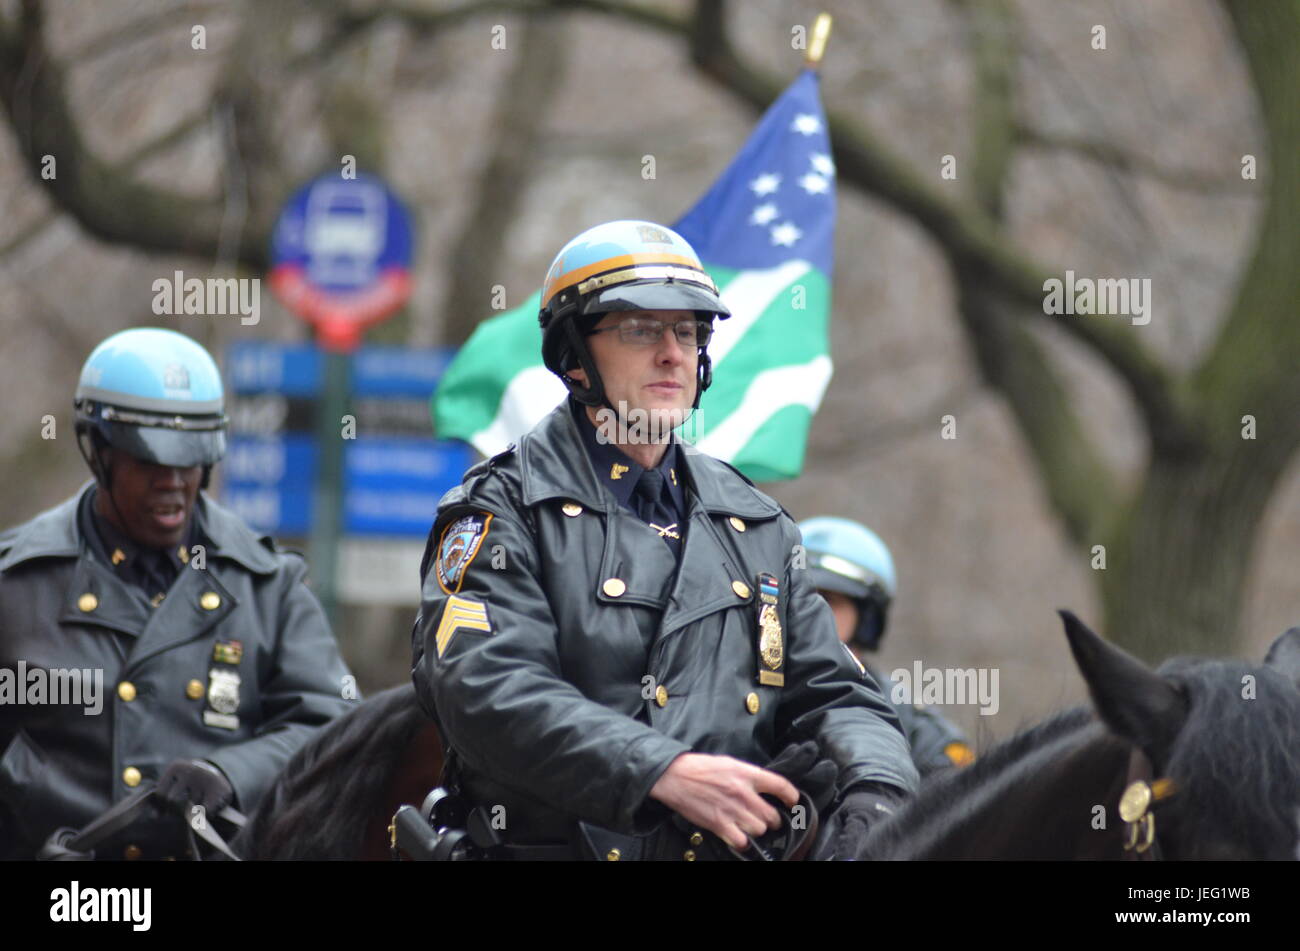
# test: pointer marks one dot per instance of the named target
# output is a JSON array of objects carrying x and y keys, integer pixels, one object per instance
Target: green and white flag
[{"x": 765, "y": 232}]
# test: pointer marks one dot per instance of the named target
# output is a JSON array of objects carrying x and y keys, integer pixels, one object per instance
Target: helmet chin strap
[
  {"x": 593, "y": 394},
  {"x": 103, "y": 475}
]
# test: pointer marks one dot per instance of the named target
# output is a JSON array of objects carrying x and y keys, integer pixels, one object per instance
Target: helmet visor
[
  {"x": 168, "y": 447},
  {"x": 672, "y": 295},
  {"x": 825, "y": 580}
]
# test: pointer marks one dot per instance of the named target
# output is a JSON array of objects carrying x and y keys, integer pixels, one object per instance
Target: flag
[{"x": 765, "y": 232}]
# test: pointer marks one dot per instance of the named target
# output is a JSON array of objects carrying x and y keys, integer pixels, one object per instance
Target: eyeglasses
[{"x": 647, "y": 332}]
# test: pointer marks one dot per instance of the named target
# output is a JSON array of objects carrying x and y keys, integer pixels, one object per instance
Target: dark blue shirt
[{"x": 620, "y": 474}]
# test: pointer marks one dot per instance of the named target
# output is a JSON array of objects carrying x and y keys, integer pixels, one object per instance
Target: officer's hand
[
  {"x": 723, "y": 795},
  {"x": 189, "y": 782}
]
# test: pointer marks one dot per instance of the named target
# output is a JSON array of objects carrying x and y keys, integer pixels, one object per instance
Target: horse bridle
[
  {"x": 1141, "y": 794},
  {"x": 73, "y": 845}
]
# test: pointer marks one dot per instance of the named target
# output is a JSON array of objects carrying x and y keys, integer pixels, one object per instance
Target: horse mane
[
  {"x": 946, "y": 794},
  {"x": 1242, "y": 770},
  {"x": 1233, "y": 762},
  {"x": 320, "y": 804}
]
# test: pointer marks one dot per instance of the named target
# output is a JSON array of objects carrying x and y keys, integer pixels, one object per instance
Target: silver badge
[{"x": 223, "y": 690}]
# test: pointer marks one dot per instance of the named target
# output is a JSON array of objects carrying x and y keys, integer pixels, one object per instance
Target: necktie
[{"x": 654, "y": 510}]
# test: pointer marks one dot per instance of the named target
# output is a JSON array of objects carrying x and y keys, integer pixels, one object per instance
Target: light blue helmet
[
  {"x": 849, "y": 558},
  {"x": 620, "y": 265},
  {"x": 154, "y": 394}
]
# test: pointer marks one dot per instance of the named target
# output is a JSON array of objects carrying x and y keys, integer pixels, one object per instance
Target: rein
[
  {"x": 787, "y": 844},
  {"x": 71, "y": 845},
  {"x": 1141, "y": 795}
]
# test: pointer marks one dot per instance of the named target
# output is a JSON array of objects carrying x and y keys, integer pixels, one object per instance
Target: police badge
[
  {"x": 223, "y": 699},
  {"x": 771, "y": 648},
  {"x": 459, "y": 544}
]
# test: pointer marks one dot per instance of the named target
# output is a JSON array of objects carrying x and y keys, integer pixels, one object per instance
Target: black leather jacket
[
  {"x": 571, "y": 661},
  {"x": 61, "y": 607}
]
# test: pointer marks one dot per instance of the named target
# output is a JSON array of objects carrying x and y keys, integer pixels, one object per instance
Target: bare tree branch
[
  {"x": 112, "y": 206},
  {"x": 1080, "y": 485},
  {"x": 521, "y": 106},
  {"x": 1115, "y": 156},
  {"x": 965, "y": 232},
  {"x": 1251, "y": 369}
]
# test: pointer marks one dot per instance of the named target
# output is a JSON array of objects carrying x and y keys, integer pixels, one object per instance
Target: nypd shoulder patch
[{"x": 459, "y": 544}]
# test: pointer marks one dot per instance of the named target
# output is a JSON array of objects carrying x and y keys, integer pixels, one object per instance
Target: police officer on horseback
[
  {"x": 201, "y": 659},
  {"x": 853, "y": 570},
  {"x": 612, "y": 638}
]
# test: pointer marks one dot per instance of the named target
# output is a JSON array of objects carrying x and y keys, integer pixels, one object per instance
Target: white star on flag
[
  {"x": 765, "y": 184},
  {"x": 806, "y": 124},
  {"x": 786, "y": 234},
  {"x": 814, "y": 184},
  {"x": 763, "y": 214},
  {"x": 822, "y": 164}
]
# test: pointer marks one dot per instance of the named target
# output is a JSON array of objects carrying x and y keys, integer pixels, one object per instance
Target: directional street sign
[{"x": 394, "y": 472}]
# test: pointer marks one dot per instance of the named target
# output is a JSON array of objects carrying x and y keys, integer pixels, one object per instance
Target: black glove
[
  {"x": 863, "y": 805},
  {"x": 803, "y": 765},
  {"x": 189, "y": 782}
]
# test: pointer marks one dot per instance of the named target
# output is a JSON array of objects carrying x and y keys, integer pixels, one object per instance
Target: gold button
[
  {"x": 737, "y": 524},
  {"x": 661, "y": 695},
  {"x": 87, "y": 602},
  {"x": 751, "y": 703},
  {"x": 131, "y": 853},
  {"x": 210, "y": 601},
  {"x": 194, "y": 690},
  {"x": 696, "y": 839},
  {"x": 131, "y": 776},
  {"x": 613, "y": 855},
  {"x": 689, "y": 855},
  {"x": 571, "y": 509},
  {"x": 614, "y": 587},
  {"x": 741, "y": 589},
  {"x": 126, "y": 690}
]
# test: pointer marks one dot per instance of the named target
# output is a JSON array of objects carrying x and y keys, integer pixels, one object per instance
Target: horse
[
  {"x": 1222, "y": 736},
  {"x": 337, "y": 794}
]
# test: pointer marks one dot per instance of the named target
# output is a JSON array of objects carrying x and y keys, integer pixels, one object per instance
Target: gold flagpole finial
[{"x": 821, "y": 32}]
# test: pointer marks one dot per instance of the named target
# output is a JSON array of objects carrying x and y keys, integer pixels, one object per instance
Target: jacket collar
[
  {"x": 54, "y": 534},
  {"x": 555, "y": 465}
]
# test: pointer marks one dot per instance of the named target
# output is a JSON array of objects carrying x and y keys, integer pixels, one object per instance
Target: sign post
[{"x": 341, "y": 257}]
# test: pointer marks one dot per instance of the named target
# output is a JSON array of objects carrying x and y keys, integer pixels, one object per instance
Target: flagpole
[{"x": 821, "y": 32}]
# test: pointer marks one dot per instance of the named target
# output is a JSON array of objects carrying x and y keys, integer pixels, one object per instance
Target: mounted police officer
[
  {"x": 215, "y": 661},
  {"x": 853, "y": 570},
  {"x": 612, "y": 638}
]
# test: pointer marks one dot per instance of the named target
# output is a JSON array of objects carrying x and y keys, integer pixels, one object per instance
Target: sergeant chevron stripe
[{"x": 461, "y": 613}]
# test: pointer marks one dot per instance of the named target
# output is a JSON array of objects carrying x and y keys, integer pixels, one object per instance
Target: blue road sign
[{"x": 392, "y": 483}]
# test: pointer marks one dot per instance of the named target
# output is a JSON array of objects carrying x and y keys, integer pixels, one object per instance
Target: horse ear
[
  {"x": 1284, "y": 655},
  {"x": 1134, "y": 701}
]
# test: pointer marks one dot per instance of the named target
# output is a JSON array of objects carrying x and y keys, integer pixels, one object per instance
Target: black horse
[
  {"x": 337, "y": 794},
  {"x": 1224, "y": 735}
]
